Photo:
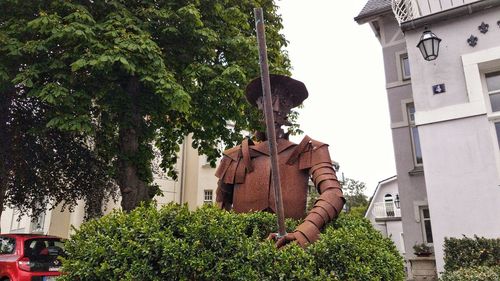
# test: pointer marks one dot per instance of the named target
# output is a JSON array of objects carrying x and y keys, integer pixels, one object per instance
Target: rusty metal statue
[{"x": 245, "y": 173}]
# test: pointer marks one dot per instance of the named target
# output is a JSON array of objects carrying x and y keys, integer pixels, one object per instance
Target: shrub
[
  {"x": 354, "y": 250},
  {"x": 477, "y": 273},
  {"x": 421, "y": 249},
  {"x": 210, "y": 244},
  {"x": 358, "y": 211},
  {"x": 470, "y": 252}
]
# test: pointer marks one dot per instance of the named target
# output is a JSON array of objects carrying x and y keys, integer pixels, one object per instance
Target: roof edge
[
  {"x": 459, "y": 11},
  {"x": 364, "y": 18}
]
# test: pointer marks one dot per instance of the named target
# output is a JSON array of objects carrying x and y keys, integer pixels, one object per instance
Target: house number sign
[{"x": 438, "y": 89}]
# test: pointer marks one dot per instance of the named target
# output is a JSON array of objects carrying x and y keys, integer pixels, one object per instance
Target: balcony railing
[
  {"x": 382, "y": 210},
  {"x": 406, "y": 10}
]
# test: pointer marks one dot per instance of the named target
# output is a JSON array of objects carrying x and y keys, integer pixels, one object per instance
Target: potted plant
[{"x": 422, "y": 250}]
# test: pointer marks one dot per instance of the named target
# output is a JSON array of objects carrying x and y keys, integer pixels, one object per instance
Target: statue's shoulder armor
[
  {"x": 235, "y": 163},
  {"x": 309, "y": 152},
  {"x": 234, "y": 153}
]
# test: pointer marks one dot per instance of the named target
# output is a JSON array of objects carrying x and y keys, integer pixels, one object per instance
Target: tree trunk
[{"x": 133, "y": 189}]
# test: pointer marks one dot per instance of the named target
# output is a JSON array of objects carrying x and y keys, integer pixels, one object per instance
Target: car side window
[{"x": 7, "y": 245}]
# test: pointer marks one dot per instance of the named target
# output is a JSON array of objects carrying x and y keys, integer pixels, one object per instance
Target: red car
[{"x": 30, "y": 257}]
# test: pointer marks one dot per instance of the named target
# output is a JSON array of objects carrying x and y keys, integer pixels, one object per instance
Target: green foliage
[
  {"x": 129, "y": 74},
  {"x": 312, "y": 196},
  {"x": 211, "y": 244},
  {"x": 422, "y": 249},
  {"x": 470, "y": 252},
  {"x": 354, "y": 193},
  {"x": 44, "y": 167},
  {"x": 475, "y": 273},
  {"x": 358, "y": 211},
  {"x": 356, "y": 251}
]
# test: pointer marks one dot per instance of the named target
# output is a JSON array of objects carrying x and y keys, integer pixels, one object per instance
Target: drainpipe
[{"x": 449, "y": 14}]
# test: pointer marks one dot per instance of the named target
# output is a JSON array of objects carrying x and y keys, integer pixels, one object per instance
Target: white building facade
[
  {"x": 384, "y": 212},
  {"x": 454, "y": 188}
]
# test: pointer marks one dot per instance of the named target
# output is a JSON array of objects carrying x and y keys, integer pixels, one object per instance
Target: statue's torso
[
  {"x": 245, "y": 173},
  {"x": 256, "y": 192}
]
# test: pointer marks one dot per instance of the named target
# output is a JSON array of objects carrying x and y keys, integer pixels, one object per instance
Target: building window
[
  {"x": 493, "y": 85},
  {"x": 493, "y": 88},
  {"x": 208, "y": 196},
  {"x": 15, "y": 225},
  {"x": 405, "y": 67},
  {"x": 497, "y": 129},
  {"x": 426, "y": 225},
  {"x": 37, "y": 223},
  {"x": 415, "y": 139},
  {"x": 389, "y": 205}
]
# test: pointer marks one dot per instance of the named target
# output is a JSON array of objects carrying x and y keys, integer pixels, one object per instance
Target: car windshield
[{"x": 43, "y": 247}]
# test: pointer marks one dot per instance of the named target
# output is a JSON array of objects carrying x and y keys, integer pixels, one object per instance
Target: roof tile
[{"x": 373, "y": 7}]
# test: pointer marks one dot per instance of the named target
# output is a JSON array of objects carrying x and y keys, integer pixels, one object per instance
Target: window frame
[
  {"x": 493, "y": 116},
  {"x": 208, "y": 196},
  {"x": 35, "y": 221},
  {"x": 390, "y": 208},
  {"x": 400, "y": 67},
  {"x": 412, "y": 127},
  {"x": 475, "y": 65},
  {"x": 16, "y": 223},
  {"x": 488, "y": 93},
  {"x": 403, "y": 68},
  {"x": 423, "y": 219}
]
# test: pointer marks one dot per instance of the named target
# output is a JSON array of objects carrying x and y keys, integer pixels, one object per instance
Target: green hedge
[
  {"x": 209, "y": 244},
  {"x": 470, "y": 252},
  {"x": 477, "y": 273}
]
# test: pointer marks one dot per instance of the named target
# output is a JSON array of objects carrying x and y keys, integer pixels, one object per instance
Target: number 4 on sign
[{"x": 438, "y": 89}]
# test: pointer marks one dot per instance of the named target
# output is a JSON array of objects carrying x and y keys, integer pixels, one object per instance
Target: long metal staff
[{"x": 268, "y": 112}]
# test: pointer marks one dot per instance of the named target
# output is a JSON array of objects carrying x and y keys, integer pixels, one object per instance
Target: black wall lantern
[
  {"x": 397, "y": 202},
  {"x": 429, "y": 45}
]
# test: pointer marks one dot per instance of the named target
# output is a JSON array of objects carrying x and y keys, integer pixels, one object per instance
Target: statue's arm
[{"x": 330, "y": 202}]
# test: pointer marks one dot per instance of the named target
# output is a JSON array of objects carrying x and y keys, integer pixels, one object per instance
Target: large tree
[
  {"x": 128, "y": 75},
  {"x": 44, "y": 167}
]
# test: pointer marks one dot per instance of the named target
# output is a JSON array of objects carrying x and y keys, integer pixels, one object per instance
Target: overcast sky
[{"x": 341, "y": 64}]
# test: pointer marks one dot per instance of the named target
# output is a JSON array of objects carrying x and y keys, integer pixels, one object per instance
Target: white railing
[
  {"x": 386, "y": 210},
  {"x": 406, "y": 10}
]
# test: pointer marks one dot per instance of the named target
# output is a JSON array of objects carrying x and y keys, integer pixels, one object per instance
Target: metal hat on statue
[{"x": 294, "y": 90}]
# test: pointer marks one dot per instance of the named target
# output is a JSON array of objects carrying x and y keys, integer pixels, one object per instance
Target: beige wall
[
  {"x": 198, "y": 178},
  {"x": 191, "y": 168},
  {"x": 194, "y": 176},
  {"x": 59, "y": 222}
]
